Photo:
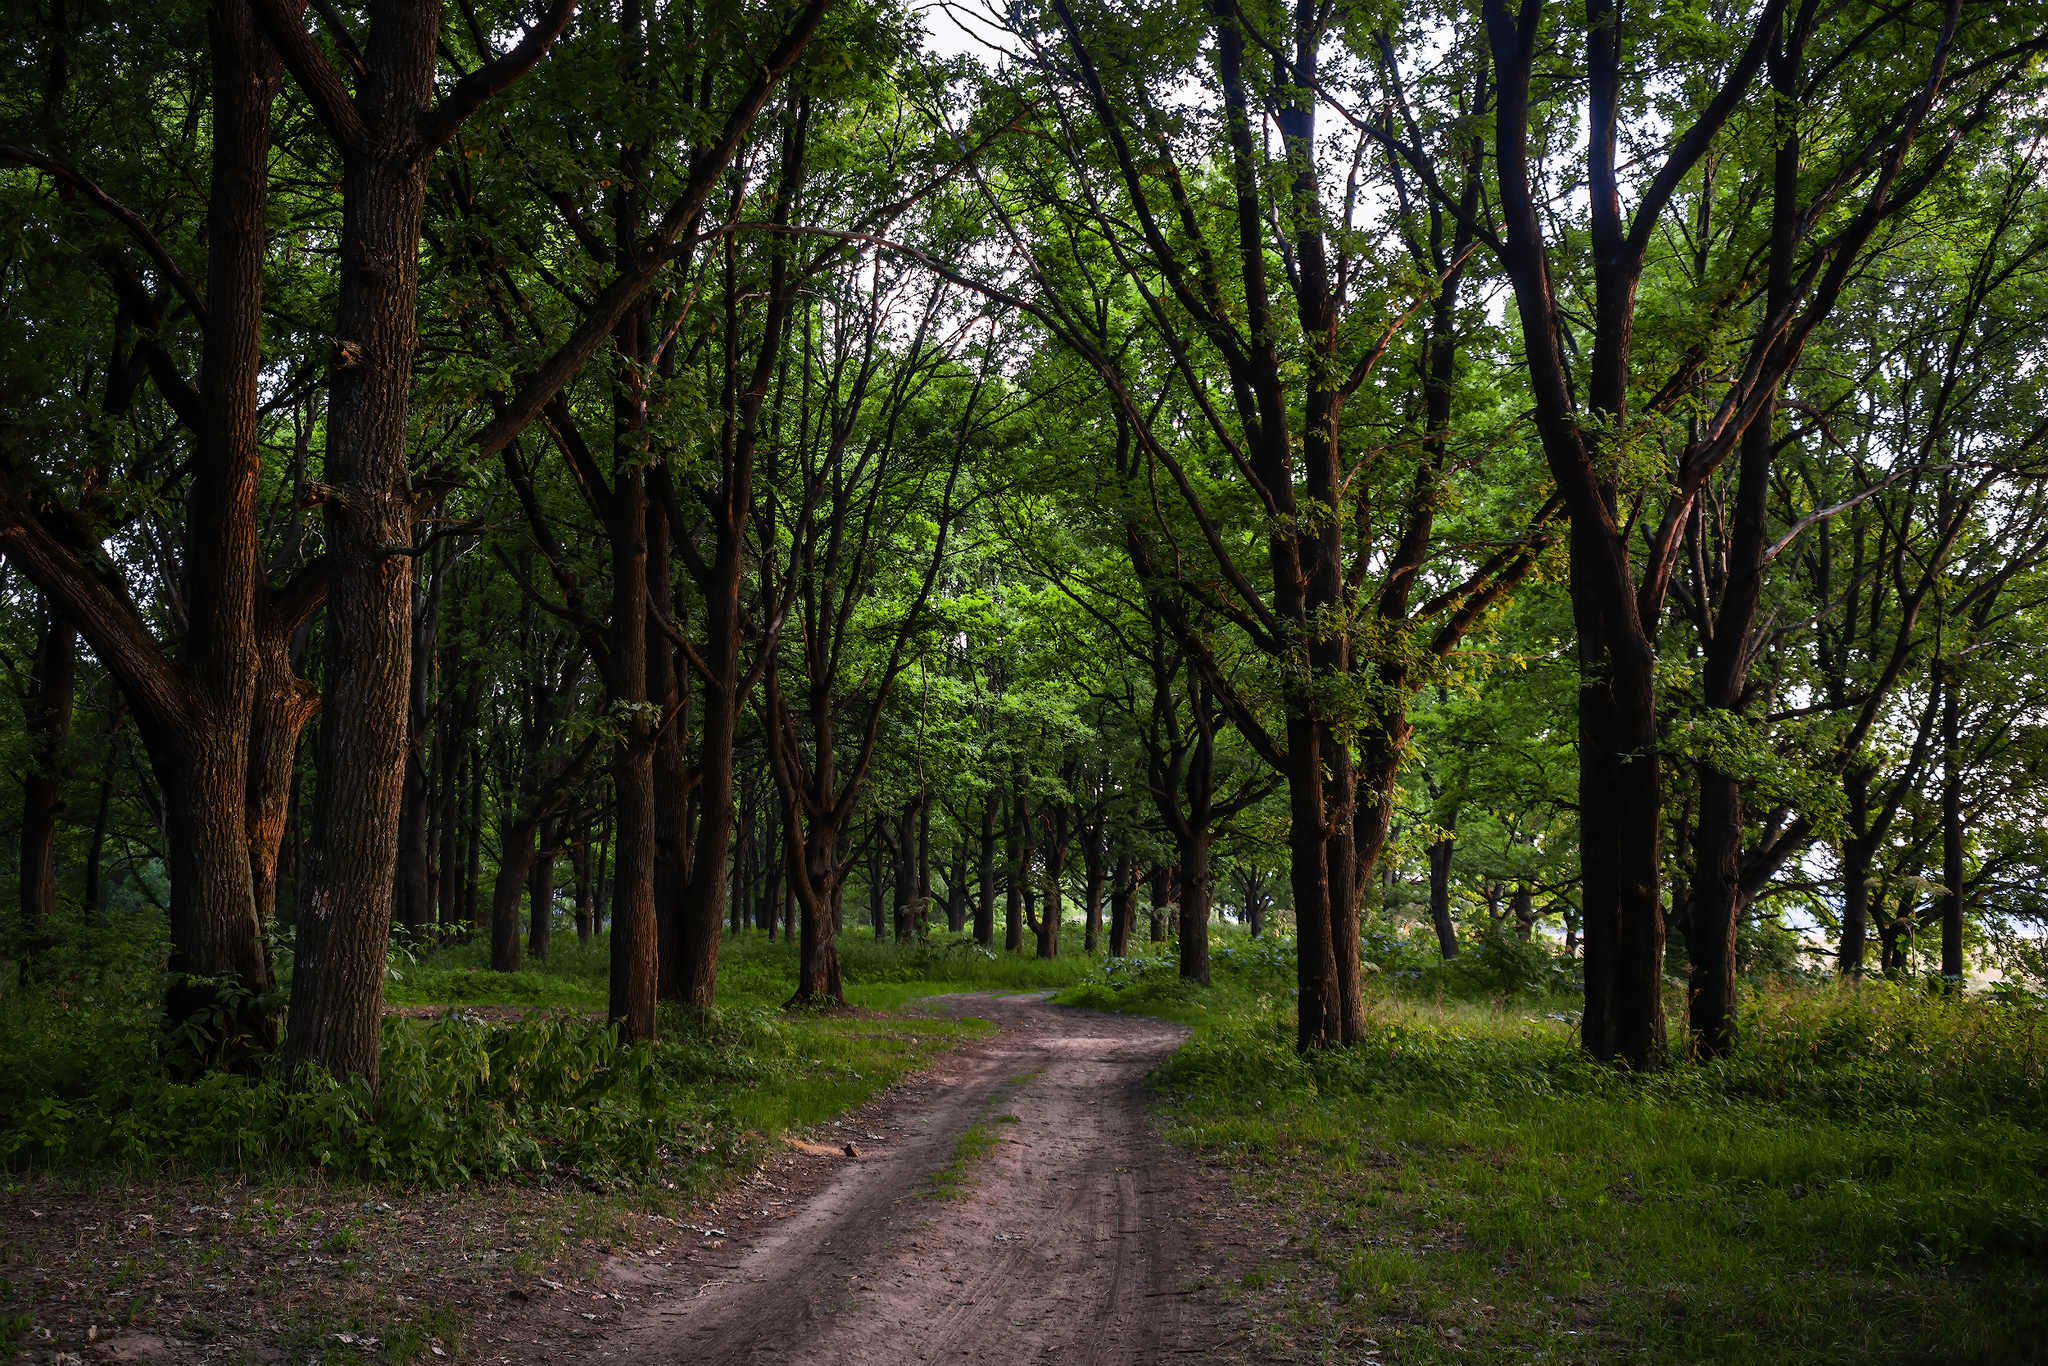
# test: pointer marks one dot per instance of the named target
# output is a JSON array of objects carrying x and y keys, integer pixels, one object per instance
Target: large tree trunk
[
  {"x": 201, "y": 759},
  {"x": 345, "y": 910},
  {"x": 1717, "y": 901},
  {"x": 634, "y": 964}
]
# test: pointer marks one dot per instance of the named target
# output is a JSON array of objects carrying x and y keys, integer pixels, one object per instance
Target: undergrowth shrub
[
  {"x": 1876, "y": 1051},
  {"x": 84, "y": 1083}
]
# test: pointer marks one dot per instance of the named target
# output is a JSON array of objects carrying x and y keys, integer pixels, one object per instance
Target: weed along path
[{"x": 1019, "y": 1211}]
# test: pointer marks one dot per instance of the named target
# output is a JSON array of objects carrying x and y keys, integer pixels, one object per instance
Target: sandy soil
[{"x": 1061, "y": 1244}]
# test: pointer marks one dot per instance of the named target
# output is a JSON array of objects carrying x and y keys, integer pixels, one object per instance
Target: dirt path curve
[{"x": 1061, "y": 1246}]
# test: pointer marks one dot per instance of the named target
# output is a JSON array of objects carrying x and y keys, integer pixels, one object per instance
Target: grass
[
  {"x": 523, "y": 1082},
  {"x": 1867, "y": 1179},
  {"x": 975, "y": 1142},
  {"x": 513, "y": 1140}
]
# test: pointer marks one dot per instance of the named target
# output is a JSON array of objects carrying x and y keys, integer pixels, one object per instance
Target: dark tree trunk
[
  {"x": 878, "y": 873},
  {"x": 769, "y": 916},
  {"x": 903, "y": 861},
  {"x": 1094, "y": 858},
  {"x": 580, "y": 861},
  {"x": 1160, "y": 884},
  {"x": 515, "y": 861},
  {"x": 1951, "y": 825},
  {"x": 345, "y": 910},
  {"x": 956, "y": 890},
  {"x": 540, "y": 891},
  {"x": 1856, "y": 856},
  {"x": 95, "y": 899},
  {"x": 1194, "y": 905},
  {"x": 985, "y": 879},
  {"x": 697, "y": 973},
  {"x": 634, "y": 949},
  {"x": 413, "y": 891},
  {"x": 473, "y": 860},
  {"x": 1123, "y": 905},
  {"x": 47, "y": 720},
  {"x": 1440, "y": 855},
  {"x": 924, "y": 863},
  {"x": 1717, "y": 900},
  {"x": 668, "y": 686},
  {"x": 193, "y": 715}
]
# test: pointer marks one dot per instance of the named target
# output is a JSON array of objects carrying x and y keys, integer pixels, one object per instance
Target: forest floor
[
  {"x": 1008, "y": 1202},
  {"x": 1159, "y": 1178}
]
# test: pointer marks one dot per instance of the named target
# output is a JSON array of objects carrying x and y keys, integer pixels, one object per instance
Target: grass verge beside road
[{"x": 1867, "y": 1181}]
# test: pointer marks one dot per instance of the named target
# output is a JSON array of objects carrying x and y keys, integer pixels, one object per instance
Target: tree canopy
[{"x": 1478, "y": 474}]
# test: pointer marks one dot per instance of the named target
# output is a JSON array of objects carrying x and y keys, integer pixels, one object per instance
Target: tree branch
[{"x": 121, "y": 214}]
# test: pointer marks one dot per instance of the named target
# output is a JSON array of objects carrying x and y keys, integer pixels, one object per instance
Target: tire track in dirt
[{"x": 1062, "y": 1245}]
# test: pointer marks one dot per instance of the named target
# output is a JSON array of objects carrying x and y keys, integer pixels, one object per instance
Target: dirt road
[{"x": 1060, "y": 1243}]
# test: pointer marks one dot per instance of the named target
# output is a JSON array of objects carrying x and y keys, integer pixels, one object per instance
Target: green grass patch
[
  {"x": 1867, "y": 1179},
  {"x": 975, "y": 1142},
  {"x": 574, "y": 975},
  {"x": 548, "y": 1092}
]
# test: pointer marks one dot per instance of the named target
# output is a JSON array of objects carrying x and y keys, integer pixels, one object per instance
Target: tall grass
[
  {"x": 84, "y": 1080},
  {"x": 1865, "y": 1179}
]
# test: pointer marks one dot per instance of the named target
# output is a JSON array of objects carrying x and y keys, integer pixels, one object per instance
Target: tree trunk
[
  {"x": 1951, "y": 826},
  {"x": 345, "y": 911},
  {"x": 956, "y": 890},
  {"x": 985, "y": 880},
  {"x": 1123, "y": 905},
  {"x": 924, "y": 863},
  {"x": 47, "y": 720},
  {"x": 903, "y": 859},
  {"x": 1194, "y": 904},
  {"x": 95, "y": 899},
  {"x": 1440, "y": 855},
  {"x": 1856, "y": 853},
  {"x": 515, "y": 862},
  {"x": 283, "y": 704},
  {"x": 634, "y": 948},
  {"x": 668, "y": 686},
  {"x": 580, "y": 861},
  {"x": 473, "y": 861},
  {"x": 697, "y": 973},
  {"x": 540, "y": 892}
]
